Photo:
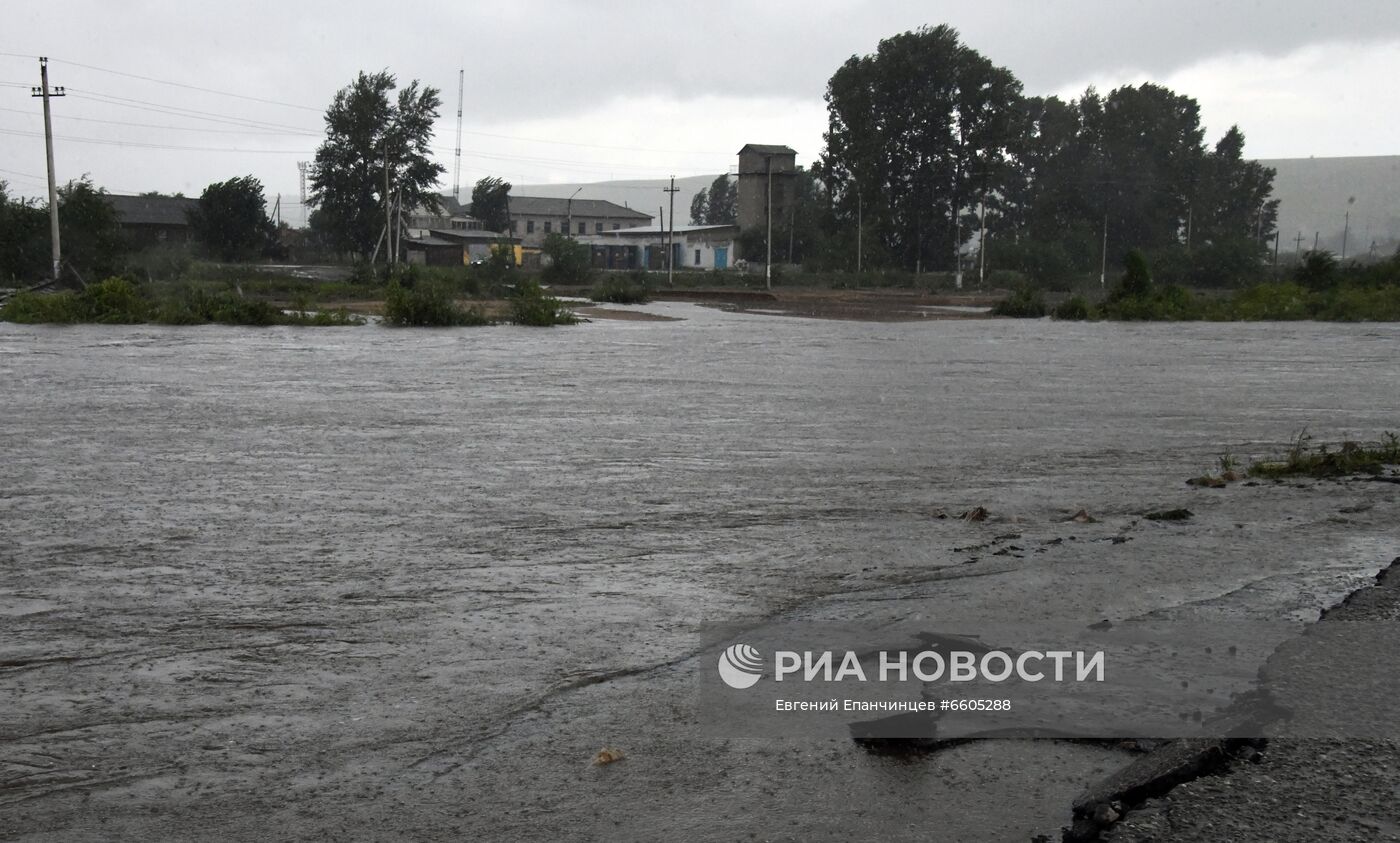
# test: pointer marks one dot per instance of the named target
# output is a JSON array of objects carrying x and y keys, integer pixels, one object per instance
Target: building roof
[
  {"x": 540, "y": 206},
  {"x": 435, "y": 242},
  {"x": 767, "y": 149},
  {"x": 152, "y": 210},
  {"x": 643, "y": 230},
  {"x": 475, "y": 235}
]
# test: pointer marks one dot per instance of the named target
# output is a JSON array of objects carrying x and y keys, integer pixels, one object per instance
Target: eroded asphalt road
[{"x": 376, "y": 584}]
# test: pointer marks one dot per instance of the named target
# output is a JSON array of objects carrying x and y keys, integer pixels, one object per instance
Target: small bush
[
  {"x": 114, "y": 301},
  {"x": 1074, "y": 308},
  {"x": 628, "y": 289},
  {"x": 1025, "y": 303},
  {"x": 531, "y": 305},
  {"x": 427, "y": 305}
]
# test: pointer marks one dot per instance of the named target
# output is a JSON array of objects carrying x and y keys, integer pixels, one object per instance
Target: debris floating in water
[{"x": 608, "y": 755}]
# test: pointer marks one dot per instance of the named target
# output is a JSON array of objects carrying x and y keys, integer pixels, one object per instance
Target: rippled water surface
[{"x": 403, "y": 584}]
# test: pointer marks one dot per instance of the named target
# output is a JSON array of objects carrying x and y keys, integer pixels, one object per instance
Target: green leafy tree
[
  {"x": 367, "y": 132},
  {"x": 24, "y": 240},
  {"x": 570, "y": 262},
  {"x": 89, "y": 231},
  {"x": 231, "y": 220},
  {"x": 716, "y": 205},
  {"x": 491, "y": 203},
  {"x": 918, "y": 133}
]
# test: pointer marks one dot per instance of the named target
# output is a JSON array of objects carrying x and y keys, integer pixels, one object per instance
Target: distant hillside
[
  {"x": 1316, "y": 193},
  {"x": 645, "y": 195}
]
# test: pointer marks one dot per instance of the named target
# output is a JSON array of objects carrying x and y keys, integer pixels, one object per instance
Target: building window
[
  {"x": 583, "y": 228},
  {"x": 529, "y": 226},
  {"x": 697, "y": 257},
  {"x": 547, "y": 226},
  {"x": 616, "y": 226},
  {"x": 597, "y": 228}
]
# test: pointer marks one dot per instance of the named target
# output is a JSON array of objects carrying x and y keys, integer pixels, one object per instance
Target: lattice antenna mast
[{"x": 457, "y": 167}]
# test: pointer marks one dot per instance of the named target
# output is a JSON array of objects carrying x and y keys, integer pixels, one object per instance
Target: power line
[
  {"x": 159, "y": 81},
  {"x": 163, "y": 126},
  {"x": 142, "y": 145}
]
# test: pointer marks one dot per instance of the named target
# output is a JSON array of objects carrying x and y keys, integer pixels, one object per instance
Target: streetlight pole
[{"x": 569, "y": 214}]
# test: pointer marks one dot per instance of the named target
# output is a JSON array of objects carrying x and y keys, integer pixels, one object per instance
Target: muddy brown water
[{"x": 389, "y": 584}]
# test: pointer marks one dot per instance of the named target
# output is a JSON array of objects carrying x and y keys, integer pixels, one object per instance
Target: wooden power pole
[{"x": 44, "y": 91}]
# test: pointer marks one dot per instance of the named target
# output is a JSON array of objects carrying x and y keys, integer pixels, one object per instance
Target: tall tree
[
  {"x": 717, "y": 204},
  {"x": 90, "y": 233},
  {"x": 491, "y": 203},
  {"x": 918, "y": 134},
  {"x": 367, "y": 133},
  {"x": 231, "y": 220}
]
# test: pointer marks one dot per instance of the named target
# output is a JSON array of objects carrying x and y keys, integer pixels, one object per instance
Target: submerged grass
[{"x": 1306, "y": 460}]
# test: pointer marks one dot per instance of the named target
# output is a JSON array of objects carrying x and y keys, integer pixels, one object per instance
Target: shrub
[
  {"x": 427, "y": 304},
  {"x": 113, "y": 301},
  {"x": 530, "y": 305},
  {"x": 570, "y": 262},
  {"x": 629, "y": 289},
  {"x": 1025, "y": 303},
  {"x": 1075, "y": 308}
]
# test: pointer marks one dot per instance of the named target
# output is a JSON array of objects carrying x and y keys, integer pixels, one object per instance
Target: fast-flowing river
[{"x": 403, "y": 584}]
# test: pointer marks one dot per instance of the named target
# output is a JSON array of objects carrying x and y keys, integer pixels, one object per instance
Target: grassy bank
[
  {"x": 118, "y": 301},
  {"x": 1307, "y": 459},
  {"x": 1279, "y": 301},
  {"x": 414, "y": 296}
]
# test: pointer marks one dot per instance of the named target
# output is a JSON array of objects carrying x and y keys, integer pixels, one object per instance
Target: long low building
[{"x": 694, "y": 247}]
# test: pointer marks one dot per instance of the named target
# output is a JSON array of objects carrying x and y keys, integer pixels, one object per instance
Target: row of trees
[
  {"x": 230, "y": 223},
  {"x": 929, "y": 142}
]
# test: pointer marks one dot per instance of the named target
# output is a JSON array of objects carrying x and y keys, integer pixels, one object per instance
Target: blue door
[{"x": 721, "y": 257}]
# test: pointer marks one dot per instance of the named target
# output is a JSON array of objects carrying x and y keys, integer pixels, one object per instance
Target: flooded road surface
[{"x": 392, "y": 584}]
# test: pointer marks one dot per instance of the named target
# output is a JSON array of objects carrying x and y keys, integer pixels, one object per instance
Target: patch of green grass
[
  {"x": 118, "y": 301},
  {"x": 1306, "y": 460}
]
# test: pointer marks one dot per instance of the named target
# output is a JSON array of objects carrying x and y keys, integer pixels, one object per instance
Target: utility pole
[
  {"x": 388, "y": 229},
  {"x": 1276, "y": 233},
  {"x": 671, "y": 234},
  {"x": 1298, "y": 248},
  {"x": 1103, "y": 258},
  {"x": 44, "y": 91},
  {"x": 768, "y": 263},
  {"x": 277, "y": 212},
  {"x": 1346, "y": 229},
  {"x": 860, "y": 231},
  {"x": 1189, "y": 211},
  {"x": 301, "y": 168},
  {"x": 1316, "y": 234},
  {"x": 982, "y": 245}
]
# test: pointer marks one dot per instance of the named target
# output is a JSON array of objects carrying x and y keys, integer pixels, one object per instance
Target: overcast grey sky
[{"x": 573, "y": 91}]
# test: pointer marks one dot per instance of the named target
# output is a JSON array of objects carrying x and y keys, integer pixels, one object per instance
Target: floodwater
[{"x": 403, "y": 584}]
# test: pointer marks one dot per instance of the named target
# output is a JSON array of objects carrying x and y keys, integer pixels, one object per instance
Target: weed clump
[{"x": 1304, "y": 460}]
